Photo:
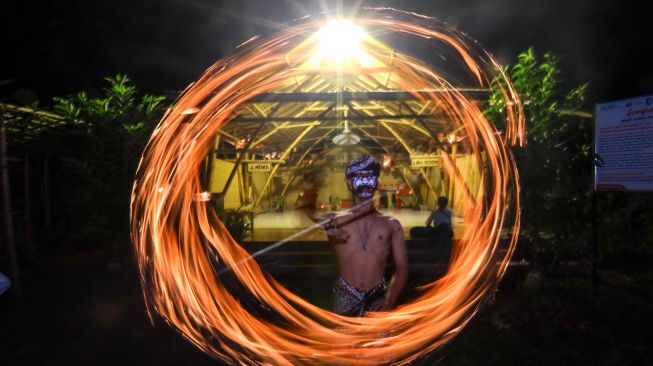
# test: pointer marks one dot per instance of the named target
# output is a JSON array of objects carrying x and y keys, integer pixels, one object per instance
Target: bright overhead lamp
[{"x": 340, "y": 40}]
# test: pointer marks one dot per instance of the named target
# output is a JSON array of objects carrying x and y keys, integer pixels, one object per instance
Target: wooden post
[
  {"x": 240, "y": 157},
  {"x": 454, "y": 150},
  {"x": 6, "y": 208},
  {"x": 209, "y": 169},
  {"x": 28, "y": 200},
  {"x": 239, "y": 177},
  {"x": 46, "y": 196}
]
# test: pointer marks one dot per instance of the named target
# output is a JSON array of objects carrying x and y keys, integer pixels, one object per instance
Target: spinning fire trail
[{"x": 179, "y": 240}]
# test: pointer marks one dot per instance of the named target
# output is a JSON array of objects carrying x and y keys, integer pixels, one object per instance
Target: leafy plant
[
  {"x": 555, "y": 165},
  {"x": 105, "y": 135},
  {"x": 236, "y": 225},
  {"x": 278, "y": 203},
  {"x": 415, "y": 200}
]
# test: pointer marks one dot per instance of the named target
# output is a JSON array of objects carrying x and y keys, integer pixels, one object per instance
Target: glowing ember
[{"x": 179, "y": 239}]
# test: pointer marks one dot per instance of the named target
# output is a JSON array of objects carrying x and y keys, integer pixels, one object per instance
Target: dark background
[
  {"x": 60, "y": 47},
  {"x": 83, "y": 305}
]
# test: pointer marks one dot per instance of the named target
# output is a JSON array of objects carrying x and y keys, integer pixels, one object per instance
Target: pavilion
[{"x": 286, "y": 149}]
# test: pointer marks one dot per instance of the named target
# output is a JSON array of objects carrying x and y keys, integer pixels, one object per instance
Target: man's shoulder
[
  {"x": 392, "y": 225},
  {"x": 388, "y": 219}
]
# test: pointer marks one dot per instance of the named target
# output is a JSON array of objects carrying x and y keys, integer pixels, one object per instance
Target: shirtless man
[{"x": 363, "y": 239}]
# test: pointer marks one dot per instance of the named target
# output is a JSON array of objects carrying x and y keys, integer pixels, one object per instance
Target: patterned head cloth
[
  {"x": 363, "y": 176},
  {"x": 363, "y": 163}
]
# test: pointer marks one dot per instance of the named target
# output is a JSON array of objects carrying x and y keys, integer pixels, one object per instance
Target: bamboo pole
[
  {"x": 299, "y": 161},
  {"x": 239, "y": 176},
  {"x": 274, "y": 169},
  {"x": 454, "y": 150},
  {"x": 410, "y": 151},
  {"x": 235, "y": 167},
  {"x": 209, "y": 169}
]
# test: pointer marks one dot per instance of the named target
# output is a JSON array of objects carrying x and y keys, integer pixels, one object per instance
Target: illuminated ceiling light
[
  {"x": 339, "y": 41},
  {"x": 340, "y": 53}
]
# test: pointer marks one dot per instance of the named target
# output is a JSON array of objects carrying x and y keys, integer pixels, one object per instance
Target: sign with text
[
  {"x": 623, "y": 145},
  {"x": 425, "y": 161},
  {"x": 259, "y": 167}
]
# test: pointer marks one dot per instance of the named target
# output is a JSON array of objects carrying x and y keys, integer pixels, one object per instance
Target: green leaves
[
  {"x": 133, "y": 127},
  {"x": 117, "y": 106},
  {"x": 554, "y": 166},
  {"x": 576, "y": 97},
  {"x": 67, "y": 107},
  {"x": 150, "y": 102},
  {"x": 98, "y": 149}
]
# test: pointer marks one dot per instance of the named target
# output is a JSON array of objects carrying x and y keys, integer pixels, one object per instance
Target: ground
[{"x": 87, "y": 308}]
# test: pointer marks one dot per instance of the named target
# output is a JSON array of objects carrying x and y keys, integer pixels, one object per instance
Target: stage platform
[{"x": 274, "y": 226}]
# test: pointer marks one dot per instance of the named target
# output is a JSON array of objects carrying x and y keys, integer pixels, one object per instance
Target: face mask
[{"x": 363, "y": 183}]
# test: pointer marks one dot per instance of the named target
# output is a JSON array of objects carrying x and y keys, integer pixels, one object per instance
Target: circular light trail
[{"x": 179, "y": 239}]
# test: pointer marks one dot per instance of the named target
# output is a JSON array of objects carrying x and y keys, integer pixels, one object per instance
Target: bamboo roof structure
[
  {"x": 24, "y": 124},
  {"x": 369, "y": 95}
]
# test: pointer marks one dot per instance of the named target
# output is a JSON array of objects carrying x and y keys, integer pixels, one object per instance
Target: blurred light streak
[{"x": 178, "y": 240}]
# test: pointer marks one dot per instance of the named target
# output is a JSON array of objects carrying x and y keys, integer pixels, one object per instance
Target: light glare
[{"x": 340, "y": 40}]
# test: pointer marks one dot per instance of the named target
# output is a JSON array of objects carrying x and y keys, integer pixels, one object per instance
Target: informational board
[
  {"x": 623, "y": 145},
  {"x": 423, "y": 161}
]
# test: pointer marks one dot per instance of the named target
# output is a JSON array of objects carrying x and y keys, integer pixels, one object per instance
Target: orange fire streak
[{"x": 179, "y": 239}]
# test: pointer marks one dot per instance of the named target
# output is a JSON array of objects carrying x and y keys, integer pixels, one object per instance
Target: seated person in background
[{"x": 441, "y": 220}]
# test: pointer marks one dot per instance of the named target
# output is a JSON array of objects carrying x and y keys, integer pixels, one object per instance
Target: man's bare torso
[{"x": 363, "y": 252}]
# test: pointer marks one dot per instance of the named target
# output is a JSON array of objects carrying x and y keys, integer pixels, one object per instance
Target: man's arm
[
  {"x": 400, "y": 258},
  {"x": 330, "y": 224}
]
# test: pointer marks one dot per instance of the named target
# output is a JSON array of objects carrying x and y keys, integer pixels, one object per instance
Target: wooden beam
[
  {"x": 333, "y": 118},
  {"x": 349, "y": 96}
]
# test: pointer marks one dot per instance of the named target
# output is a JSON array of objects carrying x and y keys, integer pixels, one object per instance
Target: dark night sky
[{"x": 58, "y": 47}]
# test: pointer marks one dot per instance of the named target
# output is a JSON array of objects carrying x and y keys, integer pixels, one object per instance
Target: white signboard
[
  {"x": 423, "y": 161},
  {"x": 623, "y": 144},
  {"x": 259, "y": 167}
]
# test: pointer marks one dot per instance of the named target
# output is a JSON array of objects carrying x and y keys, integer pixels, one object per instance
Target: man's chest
[{"x": 369, "y": 234}]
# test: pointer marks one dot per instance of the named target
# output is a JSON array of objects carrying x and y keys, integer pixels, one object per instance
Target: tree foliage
[
  {"x": 97, "y": 150},
  {"x": 555, "y": 165}
]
